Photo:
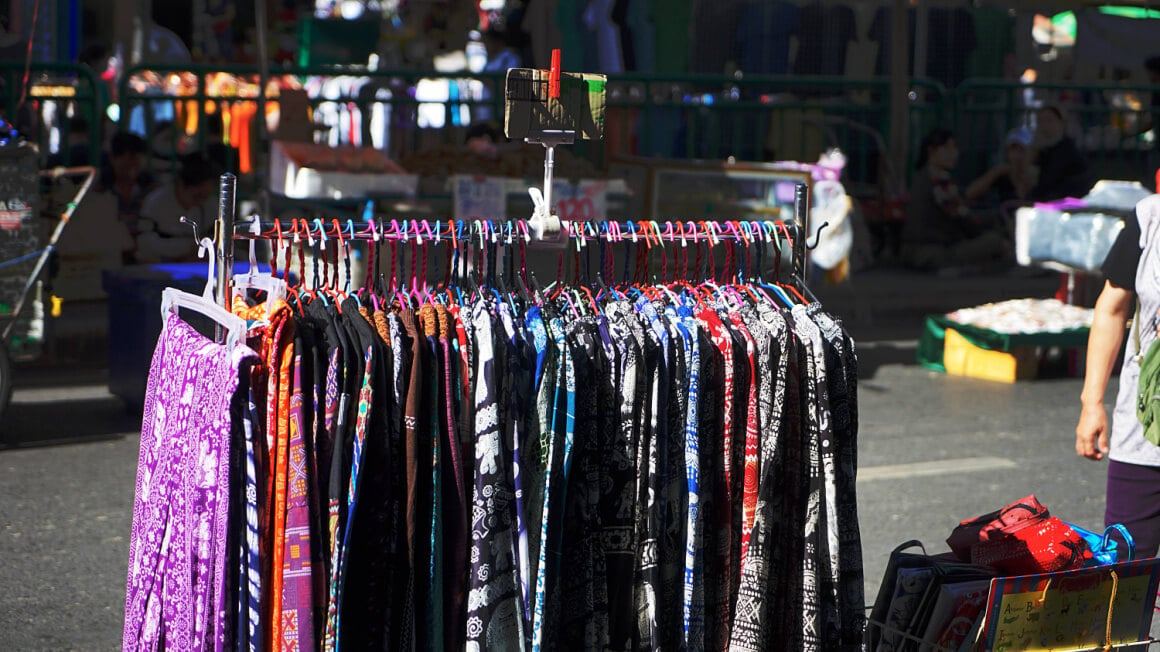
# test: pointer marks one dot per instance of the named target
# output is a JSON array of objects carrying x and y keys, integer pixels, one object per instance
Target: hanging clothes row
[{"x": 660, "y": 463}]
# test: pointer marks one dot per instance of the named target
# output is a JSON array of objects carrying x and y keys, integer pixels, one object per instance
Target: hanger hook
[
  {"x": 306, "y": 230},
  {"x": 193, "y": 225},
  {"x": 817, "y": 236}
]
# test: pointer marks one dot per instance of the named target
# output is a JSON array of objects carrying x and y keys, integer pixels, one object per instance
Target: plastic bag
[
  {"x": 831, "y": 206},
  {"x": 1116, "y": 195}
]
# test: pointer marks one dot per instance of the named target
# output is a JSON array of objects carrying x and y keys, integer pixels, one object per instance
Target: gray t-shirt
[{"x": 1127, "y": 440}]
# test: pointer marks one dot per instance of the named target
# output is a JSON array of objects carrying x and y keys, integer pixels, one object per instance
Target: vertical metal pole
[
  {"x": 801, "y": 216},
  {"x": 225, "y": 243},
  {"x": 899, "y": 86},
  {"x": 260, "y": 14},
  {"x": 921, "y": 36},
  {"x": 549, "y": 168}
]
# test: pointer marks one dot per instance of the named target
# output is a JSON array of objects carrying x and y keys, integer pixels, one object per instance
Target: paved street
[{"x": 933, "y": 450}]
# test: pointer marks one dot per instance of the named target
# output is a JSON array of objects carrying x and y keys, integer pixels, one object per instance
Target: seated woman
[{"x": 940, "y": 230}]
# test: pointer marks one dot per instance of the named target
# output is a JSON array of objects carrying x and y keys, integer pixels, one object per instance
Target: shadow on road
[
  {"x": 872, "y": 356},
  {"x": 28, "y": 424}
]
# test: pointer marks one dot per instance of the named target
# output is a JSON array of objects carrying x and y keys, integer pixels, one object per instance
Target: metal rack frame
[{"x": 225, "y": 233}]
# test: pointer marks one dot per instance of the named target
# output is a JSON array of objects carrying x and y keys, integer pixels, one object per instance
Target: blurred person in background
[
  {"x": 1011, "y": 180},
  {"x": 501, "y": 51},
  {"x": 483, "y": 139},
  {"x": 1063, "y": 169},
  {"x": 162, "y": 236},
  {"x": 940, "y": 230},
  {"x": 124, "y": 176}
]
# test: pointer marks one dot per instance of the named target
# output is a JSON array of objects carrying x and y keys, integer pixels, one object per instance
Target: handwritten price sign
[
  {"x": 587, "y": 200},
  {"x": 479, "y": 198}
]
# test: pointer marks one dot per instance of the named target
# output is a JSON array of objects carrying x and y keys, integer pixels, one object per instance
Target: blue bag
[{"x": 1105, "y": 550}]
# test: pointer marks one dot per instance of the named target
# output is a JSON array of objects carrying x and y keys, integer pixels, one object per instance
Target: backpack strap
[{"x": 1136, "y": 331}]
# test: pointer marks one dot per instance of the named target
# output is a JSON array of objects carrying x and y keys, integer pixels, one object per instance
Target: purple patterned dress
[{"x": 175, "y": 594}]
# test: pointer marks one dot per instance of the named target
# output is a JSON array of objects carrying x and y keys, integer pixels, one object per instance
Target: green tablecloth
[{"x": 930, "y": 345}]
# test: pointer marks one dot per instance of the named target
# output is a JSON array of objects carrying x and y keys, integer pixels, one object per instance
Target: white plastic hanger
[
  {"x": 274, "y": 287},
  {"x": 173, "y": 299}
]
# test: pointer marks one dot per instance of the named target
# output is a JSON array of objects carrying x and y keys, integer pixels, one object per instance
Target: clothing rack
[
  {"x": 679, "y": 232},
  {"x": 666, "y": 442}
]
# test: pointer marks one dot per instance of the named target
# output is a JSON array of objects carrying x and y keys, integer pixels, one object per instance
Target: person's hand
[
  {"x": 1091, "y": 433},
  {"x": 1001, "y": 170}
]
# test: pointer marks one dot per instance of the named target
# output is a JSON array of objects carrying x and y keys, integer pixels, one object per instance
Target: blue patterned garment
[
  {"x": 534, "y": 453},
  {"x": 694, "y": 596},
  {"x": 366, "y": 395},
  {"x": 559, "y": 435}
]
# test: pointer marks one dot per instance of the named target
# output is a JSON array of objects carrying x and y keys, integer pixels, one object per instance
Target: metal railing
[
  {"x": 58, "y": 95},
  {"x": 752, "y": 118},
  {"x": 748, "y": 118}
]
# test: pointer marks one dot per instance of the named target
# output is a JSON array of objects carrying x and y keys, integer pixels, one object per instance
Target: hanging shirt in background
[
  {"x": 950, "y": 40},
  {"x": 620, "y": 21},
  {"x": 881, "y": 32},
  {"x": 763, "y": 34},
  {"x": 824, "y": 34},
  {"x": 569, "y": 14},
  {"x": 672, "y": 18},
  {"x": 598, "y": 19},
  {"x": 640, "y": 24},
  {"x": 996, "y": 28},
  {"x": 711, "y": 47},
  {"x": 540, "y": 24}
]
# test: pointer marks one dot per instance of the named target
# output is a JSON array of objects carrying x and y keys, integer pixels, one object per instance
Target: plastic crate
[{"x": 965, "y": 359}]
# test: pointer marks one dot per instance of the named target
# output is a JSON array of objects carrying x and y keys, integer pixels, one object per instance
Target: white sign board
[{"x": 586, "y": 200}]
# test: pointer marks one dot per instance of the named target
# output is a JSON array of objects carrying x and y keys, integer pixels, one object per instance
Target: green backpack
[{"x": 1148, "y": 385}]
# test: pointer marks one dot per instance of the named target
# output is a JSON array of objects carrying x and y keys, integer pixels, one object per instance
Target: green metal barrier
[
  {"x": 673, "y": 116},
  {"x": 1104, "y": 119},
  {"x": 59, "y": 97},
  {"x": 762, "y": 118}
]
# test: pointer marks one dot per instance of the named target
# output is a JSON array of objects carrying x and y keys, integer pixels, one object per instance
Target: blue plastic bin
[{"x": 135, "y": 319}]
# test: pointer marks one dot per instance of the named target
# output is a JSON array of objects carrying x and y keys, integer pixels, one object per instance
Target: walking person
[{"x": 1132, "y": 273}]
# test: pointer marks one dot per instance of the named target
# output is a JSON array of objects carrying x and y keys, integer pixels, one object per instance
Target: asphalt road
[{"x": 933, "y": 450}]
